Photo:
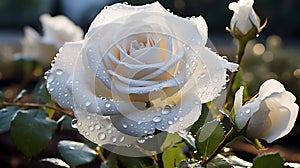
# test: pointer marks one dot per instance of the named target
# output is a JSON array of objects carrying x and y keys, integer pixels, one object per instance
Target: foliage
[{"x": 31, "y": 131}]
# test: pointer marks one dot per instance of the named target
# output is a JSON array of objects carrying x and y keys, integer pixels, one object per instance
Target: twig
[
  {"x": 239, "y": 57},
  {"x": 36, "y": 105}
]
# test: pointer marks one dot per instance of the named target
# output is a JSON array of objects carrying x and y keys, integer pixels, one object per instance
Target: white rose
[
  {"x": 138, "y": 69},
  {"x": 57, "y": 31},
  {"x": 270, "y": 116},
  {"x": 244, "y": 16}
]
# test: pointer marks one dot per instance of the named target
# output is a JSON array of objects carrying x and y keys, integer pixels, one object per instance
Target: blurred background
[{"x": 274, "y": 54}]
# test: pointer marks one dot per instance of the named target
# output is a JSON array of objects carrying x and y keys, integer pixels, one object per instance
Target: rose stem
[
  {"x": 36, "y": 105},
  {"x": 239, "y": 56},
  {"x": 228, "y": 138}
]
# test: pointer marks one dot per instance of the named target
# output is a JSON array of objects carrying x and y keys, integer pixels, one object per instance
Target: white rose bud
[
  {"x": 138, "y": 69},
  {"x": 245, "y": 24},
  {"x": 270, "y": 116},
  {"x": 57, "y": 31}
]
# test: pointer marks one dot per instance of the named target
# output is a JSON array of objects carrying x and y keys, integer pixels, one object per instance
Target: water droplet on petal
[
  {"x": 97, "y": 127},
  {"x": 141, "y": 140},
  {"x": 101, "y": 136},
  {"x": 247, "y": 110},
  {"x": 91, "y": 128},
  {"x": 187, "y": 66},
  {"x": 156, "y": 119},
  {"x": 87, "y": 103},
  {"x": 107, "y": 105},
  {"x": 121, "y": 138},
  {"x": 59, "y": 72},
  {"x": 203, "y": 75},
  {"x": 50, "y": 78},
  {"x": 74, "y": 123},
  {"x": 125, "y": 125},
  {"x": 181, "y": 119},
  {"x": 170, "y": 122},
  {"x": 113, "y": 139},
  {"x": 72, "y": 147},
  {"x": 166, "y": 111}
]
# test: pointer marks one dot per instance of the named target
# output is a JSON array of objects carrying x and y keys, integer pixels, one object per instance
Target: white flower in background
[
  {"x": 137, "y": 70},
  {"x": 244, "y": 17},
  {"x": 270, "y": 116},
  {"x": 57, "y": 31}
]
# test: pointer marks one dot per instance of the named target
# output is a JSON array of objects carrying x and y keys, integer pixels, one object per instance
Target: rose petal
[
  {"x": 134, "y": 70},
  {"x": 173, "y": 119},
  {"x": 209, "y": 77},
  {"x": 243, "y": 13},
  {"x": 257, "y": 118},
  {"x": 125, "y": 89},
  {"x": 33, "y": 47},
  {"x": 268, "y": 87},
  {"x": 99, "y": 129},
  {"x": 118, "y": 11},
  {"x": 202, "y": 27},
  {"x": 238, "y": 99},
  {"x": 169, "y": 64},
  {"x": 131, "y": 82},
  {"x": 31, "y": 34},
  {"x": 247, "y": 111},
  {"x": 58, "y": 80},
  {"x": 83, "y": 92},
  {"x": 188, "y": 112},
  {"x": 283, "y": 114},
  {"x": 59, "y": 29}
]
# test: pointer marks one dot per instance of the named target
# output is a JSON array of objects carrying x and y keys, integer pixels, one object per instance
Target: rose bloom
[
  {"x": 57, "y": 31},
  {"x": 270, "y": 116},
  {"x": 244, "y": 17},
  {"x": 139, "y": 69}
]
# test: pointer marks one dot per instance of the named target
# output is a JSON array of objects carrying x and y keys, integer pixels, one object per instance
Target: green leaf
[
  {"x": 111, "y": 161},
  {"x": 31, "y": 131},
  {"x": 209, "y": 137},
  {"x": 218, "y": 163},
  {"x": 56, "y": 161},
  {"x": 269, "y": 160},
  {"x": 41, "y": 93},
  {"x": 170, "y": 140},
  {"x": 115, "y": 160},
  {"x": 20, "y": 95},
  {"x": 205, "y": 117},
  {"x": 76, "y": 153},
  {"x": 6, "y": 115},
  {"x": 172, "y": 157},
  {"x": 1, "y": 97}
]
